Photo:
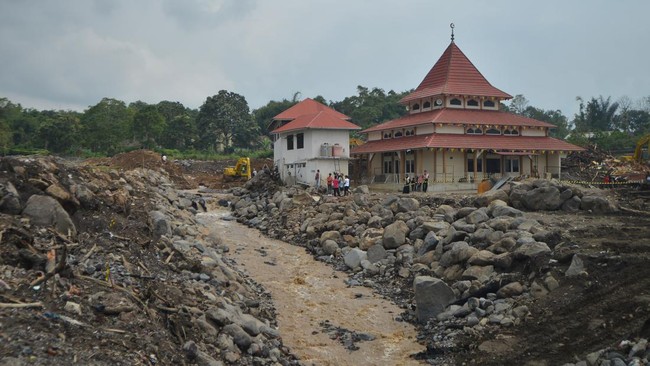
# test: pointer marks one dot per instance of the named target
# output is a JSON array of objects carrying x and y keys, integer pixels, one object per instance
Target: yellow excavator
[{"x": 241, "y": 171}]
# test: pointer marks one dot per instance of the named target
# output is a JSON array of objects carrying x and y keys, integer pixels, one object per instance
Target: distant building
[
  {"x": 308, "y": 137},
  {"x": 456, "y": 131}
]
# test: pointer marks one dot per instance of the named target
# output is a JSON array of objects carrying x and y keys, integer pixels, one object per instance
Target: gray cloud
[{"x": 72, "y": 53}]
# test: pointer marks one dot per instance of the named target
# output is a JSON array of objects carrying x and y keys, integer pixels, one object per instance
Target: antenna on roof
[{"x": 452, "y": 31}]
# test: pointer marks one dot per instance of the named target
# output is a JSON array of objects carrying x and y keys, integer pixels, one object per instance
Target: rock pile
[
  {"x": 99, "y": 266},
  {"x": 457, "y": 270}
]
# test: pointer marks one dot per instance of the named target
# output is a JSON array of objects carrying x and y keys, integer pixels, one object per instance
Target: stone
[
  {"x": 72, "y": 307},
  {"x": 576, "y": 268},
  {"x": 542, "y": 199},
  {"x": 432, "y": 295},
  {"x": 330, "y": 247},
  {"x": 532, "y": 249},
  {"x": 9, "y": 199},
  {"x": 538, "y": 291},
  {"x": 479, "y": 273},
  {"x": 477, "y": 216},
  {"x": 500, "y": 211},
  {"x": 407, "y": 204},
  {"x": 46, "y": 211},
  {"x": 376, "y": 253},
  {"x": 485, "y": 198},
  {"x": 239, "y": 336},
  {"x": 354, "y": 257},
  {"x": 159, "y": 224},
  {"x": 459, "y": 253},
  {"x": 597, "y": 205},
  {"x": 481, "y": 258},
  {"x": 510, "y": 290},
  {"x": 551, "y": 283},
  {"x": 330, "y": 235},
  {"x": 395, "y": 235},
  {"x": 370, "y": 237}
]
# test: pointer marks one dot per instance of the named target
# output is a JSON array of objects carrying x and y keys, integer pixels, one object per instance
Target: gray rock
[
  {"x": 47, "y": 211},
  {"x": 430, "y": 242},
  {"x": 361, "y": 189},
  {"x": 432, "y": 296},
  {"x": 159, "y": 224},
  {"x": 510, "y": 290},
  {"x": 597, "y": 204},
  {"x": 330, "y": 247},
  {"x": 354, "y": 257},
  {"x": 239, "y": 336},
  {"x": 407, "y": 204},
  {"x": 330, "y": 235},
  {"x": 459, "y": 252},
  {"x": 376, "y": 253},
  {"x": 572, "y": 204},
  {"x": 9, "y": 199},
  {"x": 484, "y": 199},
  {"x": 479, "y": 273},
  {"x": 481, "y": 258},
  {"x": 542, "y": 199},
  {"x": 576, "y": 268},
  {"x": 532, "y": 249},
  {"x": 395, "y": 235},
  {"x": 499, "y": 211},
  {"x": 477, "y": 217}
]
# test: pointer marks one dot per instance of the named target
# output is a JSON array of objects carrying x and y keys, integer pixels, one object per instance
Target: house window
[
  {"x": 416, "y": 107},
  {"x": 472, "y": 103},
  {"x": 512, "y": 132},
  {"x": 492, "y": 131},
  {"x": 388, "y": 135},
  {"x": 300, "y": 141},
  {"x": 474, "y": 131},
  {"x": 488, "y": 103},
  {"x": 493, "y": 165},
  {"x": 398, "y": 134},
  {"x": 455, "y": 101},
  {"x": 290, "y": 142},
  {"x": 470, "y": 165},
  {"x": 409, "y": 132},
  {"x": 512, "y": 165},
  {"x": 426, "y": 105}
]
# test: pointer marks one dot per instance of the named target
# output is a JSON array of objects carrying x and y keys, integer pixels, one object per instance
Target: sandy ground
[{"x": 307, "y": 293}]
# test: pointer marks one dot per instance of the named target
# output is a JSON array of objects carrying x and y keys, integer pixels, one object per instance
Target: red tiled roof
[
  {"x": 464, "y": 116},
  {"x": 454, "y": 74},
  {"x": 320, "y": 120},
  {"x": 461, "y": 141},
  {"x": 307, "y": 106}
]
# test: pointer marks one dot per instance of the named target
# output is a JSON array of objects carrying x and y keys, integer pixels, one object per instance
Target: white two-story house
[{"x": 308, "y": 137}]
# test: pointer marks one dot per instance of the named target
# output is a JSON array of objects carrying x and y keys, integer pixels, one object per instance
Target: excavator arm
[{"x": 638, "y": 152}]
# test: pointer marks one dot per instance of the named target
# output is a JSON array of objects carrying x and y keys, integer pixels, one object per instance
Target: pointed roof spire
[
  {"x": 452, "y": 26},
  {"x": 454, "y": 74}
]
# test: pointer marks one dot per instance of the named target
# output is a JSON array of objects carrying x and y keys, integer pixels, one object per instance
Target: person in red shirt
[
  {"x": 335, "y": 185},
  {"x": 329, "y": 183}
]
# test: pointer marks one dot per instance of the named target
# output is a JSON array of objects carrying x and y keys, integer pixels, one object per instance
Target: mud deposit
[{"x": 320, "y": 318}]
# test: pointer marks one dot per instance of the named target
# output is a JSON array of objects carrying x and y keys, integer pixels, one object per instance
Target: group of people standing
[
  {"x": 418, "y": 183},
  {"x": 337, "y": 184}
]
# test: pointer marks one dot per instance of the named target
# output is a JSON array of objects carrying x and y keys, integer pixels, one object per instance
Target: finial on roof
[{"x": 452, "y": 31}]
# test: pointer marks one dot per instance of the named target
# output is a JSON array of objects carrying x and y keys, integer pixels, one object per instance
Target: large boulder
[
  {"x": 395, "y": 234},
  {"x": 159, "y": 224},
  {"x": 9, "y": 199},
  {"x": 432, "y": 295},
  {"x": 47, "y": 211},
  {"x": 597, "y": 204},
  {"x": 542, "y": 199},
  {"x": 484, "y": 199},
  {"x": 354, "y": 257}
]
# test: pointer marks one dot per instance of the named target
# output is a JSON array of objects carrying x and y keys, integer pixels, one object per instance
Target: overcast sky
[{"x": 69, "y": 54}]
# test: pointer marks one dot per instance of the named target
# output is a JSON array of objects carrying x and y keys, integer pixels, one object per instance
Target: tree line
[{"x": 224, "y": 123}]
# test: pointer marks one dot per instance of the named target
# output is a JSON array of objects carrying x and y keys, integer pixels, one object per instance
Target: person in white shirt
[{"x": 346, "y": 185}]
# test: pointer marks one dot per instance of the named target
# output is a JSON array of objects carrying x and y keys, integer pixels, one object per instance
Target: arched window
[
  {"x": 474, "y": 131},
  {"x": 492, "y": 131},
  {"x": 398, "y": 134},
  {"x": 455, "y": 101},
  {"x": 511, "y": 132},
  {"x": 472, "y": 103},
  {"x": 416, "y": 107},
  {"x": 387, "y": 135},
  {"x": 488, "y": 103},
  {"x": 407, "y": 133},
  {"x": 426, "y": 105}
]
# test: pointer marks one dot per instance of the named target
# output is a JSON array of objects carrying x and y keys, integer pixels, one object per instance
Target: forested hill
[{"x": 224, "y": 123}]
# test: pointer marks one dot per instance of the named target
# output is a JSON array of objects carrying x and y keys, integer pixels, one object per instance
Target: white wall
[
  {"x": 375, "y": 135},
  {"x": 424, "y": 129},
  {"x": 533, "y": 132},
  {"x": 450, "y": 129},
  {"x": 310, "y": 154}
]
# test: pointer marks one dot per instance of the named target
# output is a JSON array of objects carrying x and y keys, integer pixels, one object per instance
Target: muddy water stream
[{"x": 306, "y": 293}]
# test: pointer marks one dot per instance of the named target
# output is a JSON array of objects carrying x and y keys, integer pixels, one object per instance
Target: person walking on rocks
[
  {"x": 329, "y": 183},
  {"x": 425, "y": 184},
  {"x": 346, "y": 185},
  {"x": 335, "y": 185},
  {"x": 317, "y": 179}
]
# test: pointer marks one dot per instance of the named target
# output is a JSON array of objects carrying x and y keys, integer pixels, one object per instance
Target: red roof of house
[
  {"x": 463, "y": 116},
  {"x": 307, "y": 106},
  {"x": 454, "y": 74},
  {"x": 320, "y": 120},
  {"x": 497, "y": 143}
]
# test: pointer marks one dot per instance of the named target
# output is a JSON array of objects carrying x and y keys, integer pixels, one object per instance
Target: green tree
[
  {"x": 60, "y": 132},
  {"x": 518, "y": 105},
  {"x": 596, "y": 115},
  {"x": 553, "y": 117},
  {"x": 264, "y": 115},
  {"x": 105, "y": 126},
  {"x": 180, "y": 132},
  {"x": 148, "y": 126},
  {"x": 371, "y": 106},
  {"x": 224, "y": 119}
]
